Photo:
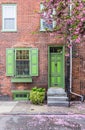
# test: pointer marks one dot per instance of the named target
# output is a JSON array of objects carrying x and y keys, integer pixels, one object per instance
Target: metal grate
[{"x": 21, "y": 95}]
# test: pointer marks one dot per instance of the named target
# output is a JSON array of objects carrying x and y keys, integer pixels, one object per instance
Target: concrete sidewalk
[{"x": 25, "y": 107}]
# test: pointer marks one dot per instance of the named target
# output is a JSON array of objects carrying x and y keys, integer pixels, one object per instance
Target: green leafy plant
[{"x": 37, "y": 95}]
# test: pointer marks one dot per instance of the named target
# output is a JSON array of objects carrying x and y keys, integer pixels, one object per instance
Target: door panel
[
  {"x": 52, "y": 67},
  {"x": 58, "y": 67},
  {"x": 52, "y": 80},
  {"x": 56, "y": 70}
]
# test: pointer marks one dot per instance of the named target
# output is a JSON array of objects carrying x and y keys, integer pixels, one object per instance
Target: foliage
[
  {"x": 70, "y": 15},
  {"x": 37, "y": 95}
]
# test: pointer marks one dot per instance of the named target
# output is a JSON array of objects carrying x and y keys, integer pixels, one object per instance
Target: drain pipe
[{"x": 82, "y": 98}]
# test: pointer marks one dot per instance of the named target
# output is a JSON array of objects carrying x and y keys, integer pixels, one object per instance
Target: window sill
[
  {"x": 43, "y": 30},
  {"x": 21, "y": 79},
  {"x": 8, "y": 31}
]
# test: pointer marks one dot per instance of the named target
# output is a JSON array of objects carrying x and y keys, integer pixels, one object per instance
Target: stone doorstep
[
  {"x": 57, "y": 97},
  {"x": 58, "y": 103},
  {"x": 56, "y": 91},
  {"x": 54, "y": 98}
]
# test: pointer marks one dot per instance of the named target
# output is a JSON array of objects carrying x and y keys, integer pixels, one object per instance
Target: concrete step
[
  {"x": 59, "y": 95},
  {"x": 57, "y": 98},
  {"x": 58, "y": 103},
  {"x": 56, "y": 91}
]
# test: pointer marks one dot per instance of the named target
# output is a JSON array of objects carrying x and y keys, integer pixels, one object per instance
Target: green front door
[{"x": 56, "y": 67}]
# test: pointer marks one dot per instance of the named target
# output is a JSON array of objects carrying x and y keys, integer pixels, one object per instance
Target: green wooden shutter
[
  {"x": 9, "y": 62},
  {"x": 34, "y": 61}
]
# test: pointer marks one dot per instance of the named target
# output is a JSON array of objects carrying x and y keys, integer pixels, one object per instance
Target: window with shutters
[
  {"x": 22, "y": 64},
  {"x": 49, "y": 23},
  {"x": 9, "y": 17}
]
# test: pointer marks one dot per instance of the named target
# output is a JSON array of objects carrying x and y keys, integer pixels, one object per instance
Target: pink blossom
[
  {"x": 84, "y": 11},
  {"x": 76, "y": 32},
  {"x": 70, "y": 45},
  {"x": 78, "y": 40},
  {"x": 68, "y": 21},
  {"x": 83, "y": 19},
  {"x": 62, "y": 18},
  {"x": 67, "y": 55},
  {"x": 77, "y": 29}
]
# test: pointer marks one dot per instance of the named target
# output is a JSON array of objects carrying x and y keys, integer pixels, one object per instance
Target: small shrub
[{"x": 37, "y": 95}]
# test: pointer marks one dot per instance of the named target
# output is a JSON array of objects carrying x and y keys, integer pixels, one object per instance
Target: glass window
[
  {"x": 22, "y": 62},
  {"x": 9, "y": 17},
  {"x": 47, "y": 24}
]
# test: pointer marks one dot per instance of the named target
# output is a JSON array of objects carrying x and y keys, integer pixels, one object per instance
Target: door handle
[{"x": 56, "y": 64}]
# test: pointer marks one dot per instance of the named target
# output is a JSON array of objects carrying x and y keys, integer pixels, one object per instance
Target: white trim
[
  {"x": 42, "y": 28},
  {"x": 10, "y": 16},
  {"x": 41, "y": 25}
]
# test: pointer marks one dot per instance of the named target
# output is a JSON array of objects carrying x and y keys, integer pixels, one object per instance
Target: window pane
[
  {"x": 22, "y": 67},
  {"x": 9, "y": 17},
  {"x": 47, "y": 25},
  {"x": 44, "y": 24},
  {"x": 9, "y": 11},
  {"x": 9, "y": 23},
  {"x": 22, "y": 62}
]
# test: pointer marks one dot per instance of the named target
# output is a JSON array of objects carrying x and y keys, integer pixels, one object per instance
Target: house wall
[
  {"x": 79, "y": 69},
  {"x": 28, "y": 35}
]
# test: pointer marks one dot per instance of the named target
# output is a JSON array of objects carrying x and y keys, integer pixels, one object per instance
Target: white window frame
[
  {"x": 42, "y": 28},
  {"x": 9, "y": 17}
]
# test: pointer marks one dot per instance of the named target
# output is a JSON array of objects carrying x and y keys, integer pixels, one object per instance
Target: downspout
[
  {"x": 71, "y": 60},
  {"x": 71, "y": 74}
]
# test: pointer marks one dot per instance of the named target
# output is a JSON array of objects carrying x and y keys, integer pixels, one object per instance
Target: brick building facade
[{"x": 28, "y": 35}]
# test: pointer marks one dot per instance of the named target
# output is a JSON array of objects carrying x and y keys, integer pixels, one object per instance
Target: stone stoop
[{"x": 57, "y": 97}]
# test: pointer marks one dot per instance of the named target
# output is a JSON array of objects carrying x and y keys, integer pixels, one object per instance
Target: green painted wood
[
  {"x": 63, "y": 66},
  {"x": 20, "y": 94},
  {"x": 20, "y": 91},
  {"x": 21, "y": 79},
  {"x": 48, "y": 66},
  {"x": 9, "y": 62},
  {"x": 34, "y": 62},
  {"x": 56, "y": 69}
]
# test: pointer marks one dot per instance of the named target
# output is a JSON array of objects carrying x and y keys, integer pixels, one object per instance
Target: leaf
[{"x": 74, "y": 37}]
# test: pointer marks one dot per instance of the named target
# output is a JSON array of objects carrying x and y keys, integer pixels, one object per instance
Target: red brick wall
[
  {"x": 28, "y": 35},
  {"x": 78, "y": 85},
  {"x": 76, "y": 75}
]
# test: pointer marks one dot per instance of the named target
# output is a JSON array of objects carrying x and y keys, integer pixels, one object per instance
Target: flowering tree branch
[{"x": 64, "y": 22}]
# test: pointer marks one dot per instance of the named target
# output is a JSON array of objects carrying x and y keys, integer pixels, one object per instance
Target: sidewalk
[{"x": 25, "y": 107}]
